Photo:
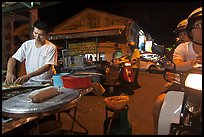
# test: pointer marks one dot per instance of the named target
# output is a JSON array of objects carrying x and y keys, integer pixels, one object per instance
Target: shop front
[{"x": 91, "y": 37}]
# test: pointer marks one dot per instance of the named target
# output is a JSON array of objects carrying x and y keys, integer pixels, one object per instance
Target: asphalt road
[{"x": 91, "y": 109}]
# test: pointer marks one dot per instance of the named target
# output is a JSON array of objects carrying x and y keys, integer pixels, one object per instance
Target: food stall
[{"x": 91, "y": 32}]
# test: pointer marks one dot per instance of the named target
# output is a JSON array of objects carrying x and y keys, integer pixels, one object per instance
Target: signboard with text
[{"x": 82, "y": 48}]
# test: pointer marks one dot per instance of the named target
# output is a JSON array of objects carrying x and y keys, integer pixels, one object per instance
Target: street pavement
[{"x": 91, "y": 108}]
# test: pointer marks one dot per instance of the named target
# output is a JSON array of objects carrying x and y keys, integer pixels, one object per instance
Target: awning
[
  {"x": 69, "y": 34},
  {"x": 14, "y": 7}
]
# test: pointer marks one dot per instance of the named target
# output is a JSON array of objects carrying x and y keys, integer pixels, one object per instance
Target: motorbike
[
  {"x": 126, "y": 76},
  {"x": 120, "y": 73},
  {"x": 181, "y": 111}
]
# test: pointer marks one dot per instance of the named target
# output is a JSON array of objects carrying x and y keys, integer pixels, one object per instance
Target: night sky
[{"x": 159, "y": 19}]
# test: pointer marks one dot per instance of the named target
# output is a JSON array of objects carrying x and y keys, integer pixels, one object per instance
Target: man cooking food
[{"x": 40, "y": 56}]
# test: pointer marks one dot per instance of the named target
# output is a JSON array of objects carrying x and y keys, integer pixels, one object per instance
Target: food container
[
  {"x": 98, "y": 89},
  {"x": 57, "y": 81},
  {"x": 116, "y": 102},
  {"x": 76, "y": 82}
]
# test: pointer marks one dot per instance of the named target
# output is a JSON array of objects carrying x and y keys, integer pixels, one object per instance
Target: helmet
[
  {"x": 117, "y": 54},
  {"x": 181, "y": 26},
  {"x": 195, "y": 13},
  {"x": 194, "y": 16}
]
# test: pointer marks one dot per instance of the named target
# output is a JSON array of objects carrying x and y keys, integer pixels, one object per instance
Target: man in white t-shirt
[
  {"x": 186, "y": 56},
  {"x": 182, "y": 37},
  {"x": 40, "y": 56}
]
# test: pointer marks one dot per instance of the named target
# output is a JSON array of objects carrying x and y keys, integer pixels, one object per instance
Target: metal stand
[
  {"x": 74, "y": 119},
  {"x": 117, "y": 123}
]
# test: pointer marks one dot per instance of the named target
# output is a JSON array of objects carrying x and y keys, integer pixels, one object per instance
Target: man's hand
[
  {"x": 197, "y": 62},
  {"x": 10, "y": 78},
  {"x": 172, "y": 77},
  {"x": 199, "y": 58},
  {"x": 22, "y": 79}
]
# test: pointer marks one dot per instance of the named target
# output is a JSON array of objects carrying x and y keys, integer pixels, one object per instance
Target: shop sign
[{"x": 82, "y": 48}]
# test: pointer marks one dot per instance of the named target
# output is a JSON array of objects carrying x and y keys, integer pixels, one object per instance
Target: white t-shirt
[
  {"x": 185, "y": 52},
  {"x": 37, "y": 57}
]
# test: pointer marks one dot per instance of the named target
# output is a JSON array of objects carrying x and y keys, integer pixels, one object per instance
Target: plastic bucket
[
  {"x": 76, "y": 82},
  {"x": 57, "y": 81}
]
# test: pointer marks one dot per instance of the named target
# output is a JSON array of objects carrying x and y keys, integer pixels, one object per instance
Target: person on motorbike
[
  {"x": 181, "y": 31},
  {"x": 187, "y": 56},
  {"x": 135, "y": 61}
]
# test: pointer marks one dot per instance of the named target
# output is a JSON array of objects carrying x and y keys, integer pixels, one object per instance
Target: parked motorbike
[
  {"x": 126, "y": 76},
  {"x": 181, "y": 112},
  {"x": 120, "y": 73}
]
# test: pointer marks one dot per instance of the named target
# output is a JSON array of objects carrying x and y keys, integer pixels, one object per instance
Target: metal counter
[
  {"x": 14, "y": 123},
  {"x": 22, "y": 110}
]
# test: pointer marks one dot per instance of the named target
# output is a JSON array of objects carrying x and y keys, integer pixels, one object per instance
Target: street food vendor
[{"x": 40, "y": 56}]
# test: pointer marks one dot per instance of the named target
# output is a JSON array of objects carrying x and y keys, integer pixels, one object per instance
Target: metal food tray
[
  {"x": 27, "y": 85},
  {"x": 22, "y": 106}
]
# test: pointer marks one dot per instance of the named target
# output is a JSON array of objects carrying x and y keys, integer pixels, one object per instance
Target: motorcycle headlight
[{"x": 194, "y": 81}]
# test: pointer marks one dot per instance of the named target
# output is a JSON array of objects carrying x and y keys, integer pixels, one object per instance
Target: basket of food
[{"x": 116, "y": 102}]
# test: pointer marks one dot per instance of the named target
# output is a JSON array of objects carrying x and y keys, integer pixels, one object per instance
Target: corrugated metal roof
[{"x": 13, "y": 7}]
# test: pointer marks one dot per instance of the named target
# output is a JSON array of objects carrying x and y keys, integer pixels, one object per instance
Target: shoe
[{"x": 137, "y": 86}]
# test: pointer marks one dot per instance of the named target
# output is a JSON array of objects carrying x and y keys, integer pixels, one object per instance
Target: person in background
[
  {"x": 182, "y": 37},
  {"x": 186, "y": 56},
  {"x": 135, "y": 61},
  {"x": 40, "y": 56},
  {"x": 90, "y": 60},
  {"x": 181, "y": 31}
]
